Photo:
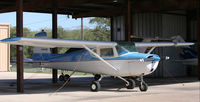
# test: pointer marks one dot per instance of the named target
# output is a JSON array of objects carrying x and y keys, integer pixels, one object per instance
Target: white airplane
[{"x": 119, "y": 59}]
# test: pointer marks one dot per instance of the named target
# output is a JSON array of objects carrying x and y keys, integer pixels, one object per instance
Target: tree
[
  {"x": 28, "y": 51},
  {"x": 100, "y": 33},
  {"x": 102, "y": 30}
]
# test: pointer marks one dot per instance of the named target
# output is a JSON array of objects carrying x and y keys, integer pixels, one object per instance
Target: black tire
[
  {"x": 66, "y": 77},
  {"x": 95, "y": 86},
  {"x": 131, "y": 84},
  {"x": 97, "y": 77},
  {"x": 61, "y": 78},
  {"x": 143, "y": 87}
]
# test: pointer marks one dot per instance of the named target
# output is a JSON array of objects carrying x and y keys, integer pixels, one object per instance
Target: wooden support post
[
  {"x": 20, "y": 71},
  {"x": 111, "y": 29},
  {"x": 82, "y": 33},
  {"x": 128, "y": 22},
  {"x": 54, "y": 35},
  {"x": 198, "y": 34}
]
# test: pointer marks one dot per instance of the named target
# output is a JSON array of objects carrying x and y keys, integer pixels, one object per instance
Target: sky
[{"x": 38, "y": 21}]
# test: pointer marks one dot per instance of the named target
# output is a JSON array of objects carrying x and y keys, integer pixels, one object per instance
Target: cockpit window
[
  {"x": 125, "y": 47},
  {"x": 73, "y": 50},
  {"x": 106, "y": 52}
]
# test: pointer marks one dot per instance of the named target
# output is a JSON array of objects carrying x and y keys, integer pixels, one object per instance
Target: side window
[
  {"x": 106, "y": 52},
  {"x": 95, "y": 51}
]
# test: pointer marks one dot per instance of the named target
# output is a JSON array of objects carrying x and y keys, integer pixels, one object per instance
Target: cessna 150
[{"x": 119, "y": 59}]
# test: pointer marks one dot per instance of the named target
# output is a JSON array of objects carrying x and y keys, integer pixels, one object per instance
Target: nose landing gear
[{"x": 143, "y": 86}]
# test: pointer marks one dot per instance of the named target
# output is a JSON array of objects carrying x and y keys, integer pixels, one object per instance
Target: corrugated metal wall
[
  {"x": 118, "y": 28},
  {"x": 147, "y": 25},
  {"x": 193, "y": 29},
  {"x": 151, "y": 25},
  {"x": 144, "y": 24},
  {"x": 4, "y": 48},
  {"x": 173, "y": 25},
  {"x": 193, "y": 37}
]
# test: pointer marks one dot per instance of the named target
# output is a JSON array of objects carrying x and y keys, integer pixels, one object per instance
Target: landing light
[{"x": 141, "y": 60}]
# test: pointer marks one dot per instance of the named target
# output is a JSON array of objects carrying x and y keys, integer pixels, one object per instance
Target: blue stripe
[
  {"x": 11, "y": 39},
  {"x": 84, "y": 55}
]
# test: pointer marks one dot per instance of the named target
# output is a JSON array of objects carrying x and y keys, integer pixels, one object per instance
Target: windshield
[{"x": 125, "y": 47}]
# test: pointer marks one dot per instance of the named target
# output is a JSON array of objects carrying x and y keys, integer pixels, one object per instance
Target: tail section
[{"x": 41, "y": 53}]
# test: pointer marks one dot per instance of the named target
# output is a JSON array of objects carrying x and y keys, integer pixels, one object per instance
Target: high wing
[{"x": 52, "y": 43}]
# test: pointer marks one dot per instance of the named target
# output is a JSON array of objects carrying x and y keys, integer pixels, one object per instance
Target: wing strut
[
  {"x": 151, "y": 50},
  {"x": 100, "y": 58}
]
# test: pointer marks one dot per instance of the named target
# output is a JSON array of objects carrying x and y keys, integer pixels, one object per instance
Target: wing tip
[{"x": 11, "y": 39}]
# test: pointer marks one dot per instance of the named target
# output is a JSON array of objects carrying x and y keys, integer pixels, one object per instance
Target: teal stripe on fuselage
[{"x": 84, "y": 55}]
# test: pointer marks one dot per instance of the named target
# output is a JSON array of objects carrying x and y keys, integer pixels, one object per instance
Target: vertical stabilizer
[{"x": 41, "y": 53}]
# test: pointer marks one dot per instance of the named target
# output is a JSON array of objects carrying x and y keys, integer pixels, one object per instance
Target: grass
[{"x": 28, "y": 69}]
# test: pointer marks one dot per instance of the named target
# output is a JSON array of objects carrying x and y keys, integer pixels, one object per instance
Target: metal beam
[
  {"x": 82, "y": 33},
  {"x": 111, "y": 29},
  {"x": 54, "y": 35},
  {"x": 128, "y": 22},
  {"x": 113, "y": 11},
  {"x": 20, "y": 71}
]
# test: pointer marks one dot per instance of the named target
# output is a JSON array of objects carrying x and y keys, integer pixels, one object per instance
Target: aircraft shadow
[{"x": 36, "y": 86}]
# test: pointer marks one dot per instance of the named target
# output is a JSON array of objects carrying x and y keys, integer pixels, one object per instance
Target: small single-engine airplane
[{"x": 119, "y": 59}]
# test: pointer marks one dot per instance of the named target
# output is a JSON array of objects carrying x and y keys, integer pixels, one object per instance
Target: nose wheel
[{"x": 143, "y": 86}]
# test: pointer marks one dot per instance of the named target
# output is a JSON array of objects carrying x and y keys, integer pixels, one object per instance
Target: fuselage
[{"x": 128, "y": 63}]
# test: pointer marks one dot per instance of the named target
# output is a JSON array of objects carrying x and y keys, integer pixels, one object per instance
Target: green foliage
[
  {"x": 28, "y": 51},
  {"x": 102, "y": 30},
  {"x": 100, "y": 33}
]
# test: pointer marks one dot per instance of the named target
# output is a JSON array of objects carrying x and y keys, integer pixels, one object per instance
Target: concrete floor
[{"x": 38, "y": 88}]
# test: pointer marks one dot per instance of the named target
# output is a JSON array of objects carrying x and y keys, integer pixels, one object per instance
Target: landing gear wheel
[
  {"x": 66, "y": 77},
  {"x": 95, "y": 86},
  {"x": 61, "y": 78},
  {"x": 131, "y": 84},
  {"x": 143, "y": 86},
  {"x": 97, "y": 77}
]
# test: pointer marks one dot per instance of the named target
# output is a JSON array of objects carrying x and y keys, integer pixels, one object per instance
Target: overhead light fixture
[{"x": 115, "y": 1}]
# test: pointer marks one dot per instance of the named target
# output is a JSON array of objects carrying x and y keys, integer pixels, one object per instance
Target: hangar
[{"x": 130, "y": 19}]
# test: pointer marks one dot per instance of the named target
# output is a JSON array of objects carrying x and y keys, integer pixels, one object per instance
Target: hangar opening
[{"x": 131, "y": 20}]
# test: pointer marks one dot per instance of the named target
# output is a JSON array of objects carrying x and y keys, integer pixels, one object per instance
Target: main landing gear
[
  {"x": 64, "y": 78},
  {"x": 95, "y": 85}
]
